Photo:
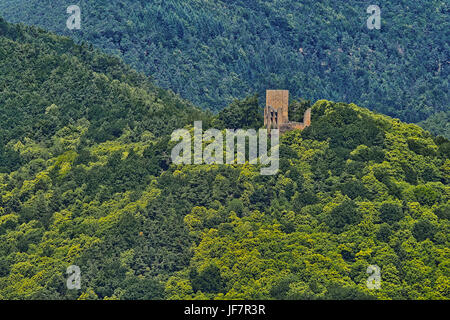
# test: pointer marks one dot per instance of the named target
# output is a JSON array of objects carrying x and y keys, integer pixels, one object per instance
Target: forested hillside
[
  {"x": 71, "y": 122},
  {"x": 87, "y": 180},
  {"x": 211, "y": 52},
  {"x": 47, "y": 83}
]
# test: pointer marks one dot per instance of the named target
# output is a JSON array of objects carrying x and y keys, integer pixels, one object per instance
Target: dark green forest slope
[
  {"x": 211, "y": 52},
  {"x": 47, "y": 83},
  {"x": 86, "y": 180}
]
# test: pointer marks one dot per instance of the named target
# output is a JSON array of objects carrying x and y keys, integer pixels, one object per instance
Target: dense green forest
[
  {"x": 211, "y": 52},
  {"x": 86, "y": 180}
]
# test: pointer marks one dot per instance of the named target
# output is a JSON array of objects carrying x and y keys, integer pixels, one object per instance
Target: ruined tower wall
[
  {"x": 279, "y": 99},
  {"x": 307, "y": 118},
  {"x": 276, "y": 112}
]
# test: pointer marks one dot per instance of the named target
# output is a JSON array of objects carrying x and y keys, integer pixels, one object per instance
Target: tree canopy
[
  {"x": 212, "y": 52},
  {"x": 86, "y": 179}
]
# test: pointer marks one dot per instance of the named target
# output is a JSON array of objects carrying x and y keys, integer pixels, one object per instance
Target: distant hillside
[
  {"x": 87, "y": 180},
  {"x": 211, "y": 52},
  {"x": 439, "y": 124},
  {"x": 48, "y": 82}
]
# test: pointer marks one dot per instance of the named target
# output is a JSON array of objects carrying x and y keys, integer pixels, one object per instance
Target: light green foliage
[{"x": 87, "y": 180}]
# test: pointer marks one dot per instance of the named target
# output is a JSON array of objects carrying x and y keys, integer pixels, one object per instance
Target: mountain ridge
[{"x": 213, "y": 52}]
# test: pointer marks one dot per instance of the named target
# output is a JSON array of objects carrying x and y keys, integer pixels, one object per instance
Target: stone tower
[
  {"x": 277, "y": 101},
  {"x": 276, "y": 112}
]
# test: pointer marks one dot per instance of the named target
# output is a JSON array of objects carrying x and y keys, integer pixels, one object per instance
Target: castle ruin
[{"x": 276, "y": 112}]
